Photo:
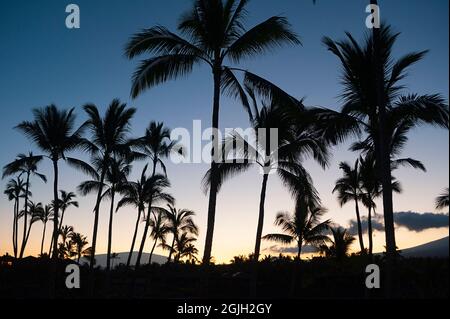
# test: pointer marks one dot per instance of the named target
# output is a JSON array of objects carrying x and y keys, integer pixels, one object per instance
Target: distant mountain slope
[
  {"x": 122, "y": 259},
  {"x": 437, "y": 248}
]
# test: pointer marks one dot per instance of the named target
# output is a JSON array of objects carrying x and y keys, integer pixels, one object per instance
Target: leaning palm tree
[
  {"x": 154, "y": 190},
  {"x": 134, "y": 194},
  {"x": 372, "y": 95},
  {"x": 293, "y": 144},
  {"x": 67, "y": 200},
  {"x": 44, "y": 216},
  {"x": 304, "y": 227},
  {"x": 212, "y": 32},
  {"x": 53, "y": 131},
  {"x": 159, "y": 229},
  {"x": 443, "y": 200},
  {"x": 179, "y": 221},
  {"x": 26, "y": 165},
  {"x": 36, "y": 211},
  {"x": 340, "y": 244},
  {"x": 348, "y": 188},
  {"x": 79, "y": 243},
  {"x": 109, "y": 138},
  {"x": 15, "y": 190}
]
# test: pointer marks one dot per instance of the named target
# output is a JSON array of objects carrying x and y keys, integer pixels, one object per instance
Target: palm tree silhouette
[
  {"x": 66, "y": 233},
  {"x": 443, "y": 200},
  {"x": 79, "y": 243},
  {"x": 134, "y": 194},
  {"x": 154, "y": 190},
  {"x": 184, "y": 247},
  {"x": 304, "y": 227},
  {"x": 53, "y": 132},
  {"x": 36, "y": 211},
  {"x": 15, "y": 190},
  {"x": 44, "y": 216},
  {"x": 179, "y": 222},
  {"x": 108, "y": 139},
  {"x": 376, "y": 102},
  {"x": 213, "y": 32},
  {"x": 159, "y": 229},
  {"x": 26, "y": 165},
  {"x": 294, "y": 144},
  {"x": 348, "y": 188},
  {"x": 340, "y": 244}
]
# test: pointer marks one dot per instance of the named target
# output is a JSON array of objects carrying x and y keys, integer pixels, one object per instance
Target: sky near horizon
[{"x": 43, "y": 62}]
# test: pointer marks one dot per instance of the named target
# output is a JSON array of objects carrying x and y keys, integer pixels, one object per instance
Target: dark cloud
[
  {"x": 275, "y": 249},
  {"x": 412, "y": 221},
  {"x": 419, "y": 222}
]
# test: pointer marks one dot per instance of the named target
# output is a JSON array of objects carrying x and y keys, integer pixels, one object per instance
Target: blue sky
[{"x": 43, "y": 62}]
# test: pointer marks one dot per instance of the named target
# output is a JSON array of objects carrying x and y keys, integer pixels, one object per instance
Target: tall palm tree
[
  {"x": 304, "y": 227},
  {"x": 154, "y": 190},
  {"x": 15, "y": 189},
  {"x": 134, "y": 194},
  {"x": 109, "y": 138},
  {"x": 44, "y": 216},
  {"x": 212, "y": 33},
  {"x": 79, "y": 243},
  {"x": 156, "y": 145},
  {"x": 443, "y": 200},
  {"x": 372, "y": 95},
  {"x": 340, "y": 244},
  {"x": 294, "y": 143},
  {"x": 179, "y": 221},
  {"x": 26, "y": 165},
  {"x": 53, "y": 131},
  {"x": 348, "y": 188},
  {"x": 159, "y": 229}
]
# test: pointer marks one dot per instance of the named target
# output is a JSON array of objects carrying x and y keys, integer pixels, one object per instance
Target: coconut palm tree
[
  {"x": 372, "y": 95},
  {"x": 53, "y": 131},
  {"x": 26, "y": 165},
  {"x": 66, "y": 201},
  {"x": 66, "y": 233},
  {"x": 44, "y": 216},
  {"x": 15, "y": 189},
  {"x": 304, "y": 227},
  {"x": 79, "y": 243},
  {"x": 36, "y": 211},
  {"x": 212, "y": 33},
  {"x": 184, "y": 247},
  {"x": 443, "y": 200},
  {"x": 109, "y": 138},
  {"x": 154, "y": 190},
  {"x": 294, "y": 143},
  {"x": 340, "y": 244},
  {"x": 348, "y": 188},
  {"x": 179, "y": 222},
  {"x": 159, "y": 229},
  {"x": 134, "y": 194}
]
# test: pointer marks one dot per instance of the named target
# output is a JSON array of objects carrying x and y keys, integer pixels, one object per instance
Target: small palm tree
[
  {"x": 212, "y": 33},
  {"x": 44, "y": 216},
  {"x": 184, "y": 247},
  {"x": 66, "y": 233},
  {"x": 36, "y": 211},
  {"x": 26, "y": 165},
  {"x": 15, "y": 190},
  {"x": 134, "y": 194},
  {"x": 180, "y": 222},
  {"x": 340, "y": 244},
  {"x": 109, "y": 138},
  {"x": 79, "y": 243},
  {"x": 304, "y": 227},
  {"x": 53, "y": 131},
  {"x": 67, "y": 200},
  {"x": 159, "y": 229},
  {"x": 443, "y": 200}
]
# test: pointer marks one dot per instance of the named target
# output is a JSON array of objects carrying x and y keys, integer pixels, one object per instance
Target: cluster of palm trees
[{"x": 212, "y": 32}]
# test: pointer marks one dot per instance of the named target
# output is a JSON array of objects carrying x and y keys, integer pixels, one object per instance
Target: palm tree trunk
[
  {"x": 217, "y": 71},
  {"x": 55, "y": 211},
  {"x": 110, "y": 229},
  {"x": 370, "y": 232},
  {"x": 261, "y": 217},
  {"x": 360, "y": 233},
  {"x": 96, "y": 213},
  {"x": 15, "y": 229},
  {"x": 62, "y": 217},
  {"x": 151, "y": 252},
  {"x": 171, "y": 248},
  {"x": 299, "y": 252},
  {"x": 133, "y": 242},
  {"x": 25, "y": 216},
  {"x": 43, "y": 239},
  {"x": 28, "y": 233},
  {"x": 144, "y": 237}
]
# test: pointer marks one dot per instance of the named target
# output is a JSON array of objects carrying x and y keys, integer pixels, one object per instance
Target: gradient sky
[{"x": 43, "y": 62}]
